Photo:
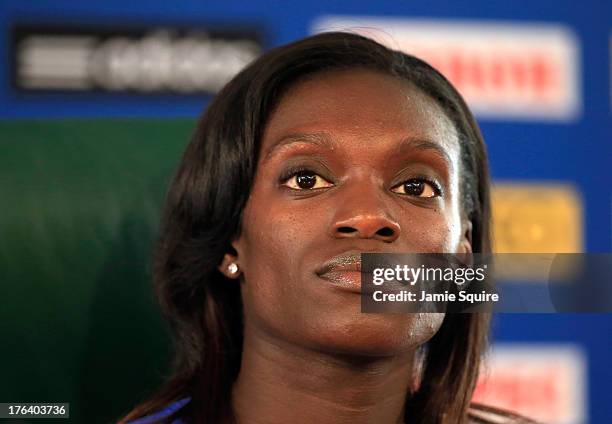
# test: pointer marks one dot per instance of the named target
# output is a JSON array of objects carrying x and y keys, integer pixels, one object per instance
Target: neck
[{"x": 281, "y": 382}]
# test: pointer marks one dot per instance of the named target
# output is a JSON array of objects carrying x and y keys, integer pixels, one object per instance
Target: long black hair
[{"x": 203, "y": 214}]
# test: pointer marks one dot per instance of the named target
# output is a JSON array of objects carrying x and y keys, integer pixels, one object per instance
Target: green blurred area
[{"x": 80, "y": 207}]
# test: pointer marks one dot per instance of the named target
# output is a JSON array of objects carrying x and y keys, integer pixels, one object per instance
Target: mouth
[{"x": 344, "y": 272}]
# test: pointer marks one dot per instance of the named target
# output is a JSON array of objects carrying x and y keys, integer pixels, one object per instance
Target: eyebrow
[
  {"x": 425, "y": 145},
  {"x": 325, "y": 141},
  {"x": 317, "y": 139}
]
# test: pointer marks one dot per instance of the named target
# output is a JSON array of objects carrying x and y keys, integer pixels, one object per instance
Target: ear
[
  {"x": 465, "y": 245},
  {"x": 230, "y": 265}
]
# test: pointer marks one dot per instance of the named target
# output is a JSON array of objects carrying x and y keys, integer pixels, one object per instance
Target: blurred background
[{"x": 98, "y": 100}]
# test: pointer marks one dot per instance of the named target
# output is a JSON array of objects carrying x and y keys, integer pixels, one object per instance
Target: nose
[{"x": 364, "y": 213}]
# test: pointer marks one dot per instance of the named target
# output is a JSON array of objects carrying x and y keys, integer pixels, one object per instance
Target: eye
[
  {"x": 418, "y": 187},
  {"x": 306, "y": 180}
]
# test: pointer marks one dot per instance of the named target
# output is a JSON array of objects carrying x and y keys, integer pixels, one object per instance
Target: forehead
[{"x": 365, "y": 105}]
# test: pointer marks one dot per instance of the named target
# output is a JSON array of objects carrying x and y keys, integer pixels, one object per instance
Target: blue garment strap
[{"x": 167, "y": 411}]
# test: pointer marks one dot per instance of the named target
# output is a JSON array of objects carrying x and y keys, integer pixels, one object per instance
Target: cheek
[
  {"x": 435, "y": 231},
  {"x": 275, "y": 238},
  {"x": 271, "y": 246}
]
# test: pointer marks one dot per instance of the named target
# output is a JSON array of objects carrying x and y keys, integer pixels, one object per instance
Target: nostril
[
  {"x": 368, "y": 229},
  {"x": 385, "y": 232}
]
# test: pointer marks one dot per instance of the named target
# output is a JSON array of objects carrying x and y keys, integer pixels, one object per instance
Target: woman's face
[{"x": 351, "y": 161}]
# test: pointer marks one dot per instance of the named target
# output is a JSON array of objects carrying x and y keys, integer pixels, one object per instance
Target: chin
[{"x": 377, "y": 335}]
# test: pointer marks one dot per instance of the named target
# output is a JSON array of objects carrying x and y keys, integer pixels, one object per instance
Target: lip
[{"x": 343, "y": 271}]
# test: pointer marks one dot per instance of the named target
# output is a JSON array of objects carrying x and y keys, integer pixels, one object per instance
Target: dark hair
[{"x": 203, "y": 213}]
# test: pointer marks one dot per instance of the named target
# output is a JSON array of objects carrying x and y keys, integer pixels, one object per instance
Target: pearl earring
[{"x": 232, "y": 268}]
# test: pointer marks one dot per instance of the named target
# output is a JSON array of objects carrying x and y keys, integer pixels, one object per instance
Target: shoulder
[
  {"x": 163, "y": 415},
  {"x": 483, "y": 414}
]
